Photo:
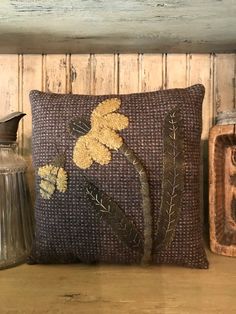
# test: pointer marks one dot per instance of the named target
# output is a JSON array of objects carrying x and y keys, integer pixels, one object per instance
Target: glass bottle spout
[{"x": 9, "y": 126}]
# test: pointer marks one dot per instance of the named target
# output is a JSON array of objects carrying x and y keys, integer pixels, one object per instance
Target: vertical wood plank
[
  {"x": 55, "y": 73},
  {"x": 152, "y": 72},
  {"x": 225, "y": 67},
  {"x": 80, "y": 72},
  {"x": 200, "y": 70},
  {"x": 104, "y": 74},
  {"x": 176, "y": 70},
  {"x": 9, "y": 82},
  {"x": 129, "y": 74},
  {"x": 31, "y": 77}
]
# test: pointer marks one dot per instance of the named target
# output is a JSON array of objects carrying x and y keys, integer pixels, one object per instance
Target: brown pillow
[{"x": 118, "y": 178}]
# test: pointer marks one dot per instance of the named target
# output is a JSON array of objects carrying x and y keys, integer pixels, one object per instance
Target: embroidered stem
[
  {"x": 146, "y": 203},
  {"x": 172, "y": 182},
  {"x": 113, "y": 215}
]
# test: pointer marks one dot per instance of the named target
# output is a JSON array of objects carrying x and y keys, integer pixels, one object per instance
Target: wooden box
[{"x": 222, "y": 193}]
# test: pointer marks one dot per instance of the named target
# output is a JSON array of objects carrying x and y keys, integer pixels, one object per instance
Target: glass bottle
[{"x": 16, "y": 219}]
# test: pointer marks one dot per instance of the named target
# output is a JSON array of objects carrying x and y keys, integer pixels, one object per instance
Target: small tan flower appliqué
[
  {"x": 53, "y": 176},
  {"x": 102, "y": 136}
]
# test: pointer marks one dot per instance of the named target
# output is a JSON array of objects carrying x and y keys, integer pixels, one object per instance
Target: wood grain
[
  {"x": 9, "y": 87},
  {"x": 176, "y": 70},
  {"x": 93, "y": 26},
  {"x": 129, "y": 74},
  {"x": 152, "y": 69},
  {"x": 222, "y": 190},
  {"x": 104, "y": 74},
  {"x": 31, "y": 78},
  {"x": 200, "y": 70},
  {"x": 55, "y": 73},
  {"x": 104, "y": 289},
  {"x": 80, "y": 74},
  {"x": 225, "y": 67}
]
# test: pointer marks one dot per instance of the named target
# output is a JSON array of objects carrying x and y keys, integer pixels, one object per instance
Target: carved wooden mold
[{"x": 222, "y": 193}]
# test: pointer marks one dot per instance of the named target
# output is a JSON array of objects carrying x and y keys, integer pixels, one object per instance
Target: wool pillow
[{"x": 118, "y": 178}]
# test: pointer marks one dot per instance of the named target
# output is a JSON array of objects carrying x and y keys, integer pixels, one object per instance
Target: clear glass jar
[{"x": 16, "y": 219}]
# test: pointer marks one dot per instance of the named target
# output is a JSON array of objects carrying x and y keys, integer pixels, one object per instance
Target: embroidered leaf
[
  {"x": 146, "y": 202},
  {"x": 112, "y": 214},
  {"x": 59, "y": 160},
  {"x": 79, "y": 126},
  {"x": 172, "y": 181}
]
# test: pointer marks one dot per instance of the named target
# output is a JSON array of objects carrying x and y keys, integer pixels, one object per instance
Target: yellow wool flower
[
  {"x": 62, "y": 180},
  {"x": 105, "y": 107},
  {"x": 81, "y": 156},
  {"x": 95, "y": 145},
  {"x": 52, "y": 177},
  {"x": 46, "y": 189},
  {"x": 45, "y": 170}
]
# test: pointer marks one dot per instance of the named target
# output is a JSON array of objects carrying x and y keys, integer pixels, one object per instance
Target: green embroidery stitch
[
  {"x": 95, "y": 145},
  {"x": 146, "y": 203},
  {"x": 110, "y": 211},
  {"x": 172, "y": 182}
]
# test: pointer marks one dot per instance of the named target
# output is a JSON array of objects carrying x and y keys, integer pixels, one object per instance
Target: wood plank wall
[{"x": 113, "y": 73}]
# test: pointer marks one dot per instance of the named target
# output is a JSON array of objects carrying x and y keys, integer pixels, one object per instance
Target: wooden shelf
[
  {"x": 79, "y": 26},
  {"x": 109, "y": 289}
]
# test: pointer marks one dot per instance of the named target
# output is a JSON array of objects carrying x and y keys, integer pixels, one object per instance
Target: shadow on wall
[
  {"x": 205, "y": 189},
  {"x": 26, "y": 152},
  {"x": 49, "y": 43}
]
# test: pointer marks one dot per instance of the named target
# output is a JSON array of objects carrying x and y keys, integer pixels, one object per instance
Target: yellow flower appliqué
[
  {"x": 102, "y": 136},
  {"x": 52, "y": 177}
]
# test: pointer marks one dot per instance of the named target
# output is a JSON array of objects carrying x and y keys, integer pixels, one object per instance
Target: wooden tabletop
[{"x": 109, "y": 289}]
